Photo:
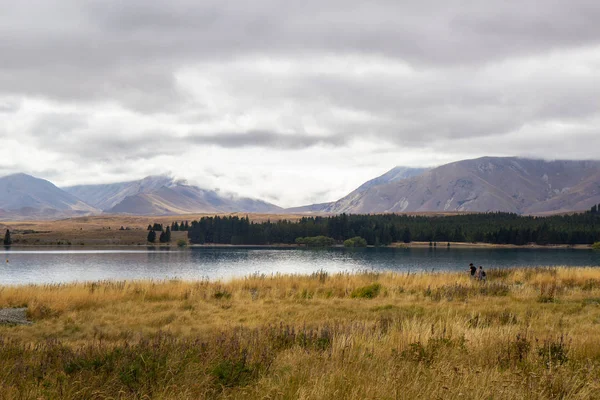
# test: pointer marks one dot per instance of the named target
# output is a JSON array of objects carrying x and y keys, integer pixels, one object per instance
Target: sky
[{"x": 291, "y": 102}]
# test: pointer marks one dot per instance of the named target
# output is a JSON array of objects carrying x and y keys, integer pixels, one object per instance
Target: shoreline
[{"x": 398, "y": 245}]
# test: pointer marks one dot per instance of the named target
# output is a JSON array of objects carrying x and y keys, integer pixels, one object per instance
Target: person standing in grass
[
  {"x": 482, "y": 274},
  {"x": 473, "y": 270},
  {"x": 479, "y": 274}
]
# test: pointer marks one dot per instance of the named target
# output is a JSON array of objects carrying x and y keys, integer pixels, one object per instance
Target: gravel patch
[{"x": 14, "y": 316}]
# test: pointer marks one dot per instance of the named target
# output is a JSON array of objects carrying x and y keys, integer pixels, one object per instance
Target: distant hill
[
  {"x": 24, "y": 197},
  {"x": 161, "y": 195},
  {"x": 106, "y": 196},
  {"x": 509, "y": 184},
  {"x": 393, "y": 175}
]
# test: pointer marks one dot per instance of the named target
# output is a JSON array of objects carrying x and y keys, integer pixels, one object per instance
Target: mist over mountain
[
  {"x": 159, "y": 195},
  {"x": 518, "y": 185},
  {"x": 106, "y": 196},
  {"x": 25, "y": 197}
]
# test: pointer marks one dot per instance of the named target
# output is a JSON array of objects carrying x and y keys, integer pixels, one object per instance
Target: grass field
[{"x": 525, "y": 334}]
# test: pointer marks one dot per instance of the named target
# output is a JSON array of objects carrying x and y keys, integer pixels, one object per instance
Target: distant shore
[
  {"x": 119, "y": 231},
  {"x": 467, "y": 245},
  {"x": 399, "y": 245}
]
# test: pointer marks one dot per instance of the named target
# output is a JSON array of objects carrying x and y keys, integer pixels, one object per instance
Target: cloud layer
[{"x": 293, "y": 103}]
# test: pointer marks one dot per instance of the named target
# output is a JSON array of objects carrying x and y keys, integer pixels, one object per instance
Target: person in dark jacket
[{"x": 473, "y": 269}]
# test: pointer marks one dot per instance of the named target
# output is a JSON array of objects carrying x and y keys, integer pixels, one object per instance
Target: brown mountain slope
[
  {"x": 26, "y": 197},
  {"x": 185, "y": 199},
  {"x": 485, "y": 184},
  {"x": 393, "y": 175}
]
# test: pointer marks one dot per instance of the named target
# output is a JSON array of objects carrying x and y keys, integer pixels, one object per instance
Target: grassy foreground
[{"x": 525, "y": 334}]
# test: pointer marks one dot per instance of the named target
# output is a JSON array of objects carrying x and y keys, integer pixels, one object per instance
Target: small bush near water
[
  {"x": 315, "y": 241},
  {"x": 355, "y": 242}
]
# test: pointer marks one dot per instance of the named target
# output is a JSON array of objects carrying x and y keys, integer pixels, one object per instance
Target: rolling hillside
[
  {"x": 24, "y": 196},
  {"x": 509, "y": 184}
]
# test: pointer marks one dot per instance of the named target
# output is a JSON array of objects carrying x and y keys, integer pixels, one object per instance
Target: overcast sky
[{"x": 291, "y": 102}]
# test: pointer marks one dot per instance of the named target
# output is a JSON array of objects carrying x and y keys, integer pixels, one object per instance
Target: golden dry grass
[{"x": 525, "y": 334}]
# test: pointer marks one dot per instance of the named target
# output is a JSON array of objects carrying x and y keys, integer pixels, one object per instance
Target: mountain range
[
  {"x": 518, "y": 185},
  {"x": 26, "y": 197},
  {"x": 161, "y": 195},
  {"x": 510, "y": 184}
]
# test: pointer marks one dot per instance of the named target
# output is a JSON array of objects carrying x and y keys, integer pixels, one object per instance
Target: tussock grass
[{"x": 526, "y": 333}]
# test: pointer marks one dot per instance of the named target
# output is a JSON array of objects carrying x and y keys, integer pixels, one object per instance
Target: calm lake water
[{"x": 53, "y": 266}]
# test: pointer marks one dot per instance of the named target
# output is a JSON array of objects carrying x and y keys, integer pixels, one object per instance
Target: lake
[{"x": 55, "y": 266}]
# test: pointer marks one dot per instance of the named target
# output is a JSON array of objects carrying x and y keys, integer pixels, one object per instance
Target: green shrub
[
  {"x": 315, "y": 241},
  {"x": 596, "y": 246},
  {"x": 366, "y": 292},
  {"x": 222, "y": 294},
  {"x": 231, "y": 373},
  {"x": 554, "y": 352},
  {"x": 182, "y": 243},
  {"x": 356, "y": 241}
]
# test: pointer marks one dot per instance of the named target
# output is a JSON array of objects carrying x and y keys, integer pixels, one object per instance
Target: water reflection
[{"x": 48, "y": 266}]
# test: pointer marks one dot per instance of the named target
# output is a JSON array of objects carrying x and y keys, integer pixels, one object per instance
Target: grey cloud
[
  {"x": 72, "y": 135},
  {"x": 9, "y": 106},
  {"x": 266, "y": 139},
  {"x": 128, "y": 51},
  {"x": 55, "y": 124}
]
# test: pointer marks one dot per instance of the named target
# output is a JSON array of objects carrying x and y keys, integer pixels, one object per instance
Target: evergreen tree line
[
  {"x": 175, "y": 227},
  {"x": 164, "y": 237},
  {"x": 496, "y": 228},
  {"x": 183, "y": 226}
]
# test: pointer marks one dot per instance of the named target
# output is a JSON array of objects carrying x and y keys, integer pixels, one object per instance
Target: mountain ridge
[
  {"x": 160, "y": 195},
  {"x": 511, "y": 184},
  {"x": 25, "y": 196}
]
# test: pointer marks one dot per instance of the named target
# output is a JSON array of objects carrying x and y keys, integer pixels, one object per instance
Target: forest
[{"x": 384, "y": 229}]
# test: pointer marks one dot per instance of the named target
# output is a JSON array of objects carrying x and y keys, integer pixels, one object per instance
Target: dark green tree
[
  {"x": 149, "y": 228},
  {"x": 152, "y": 236},
  {"x": 406, "y": 236},
  {"x": 7, "y": 239},
  {"x": 157, "y": 227},
  {"x": 165, "y": 236}
]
